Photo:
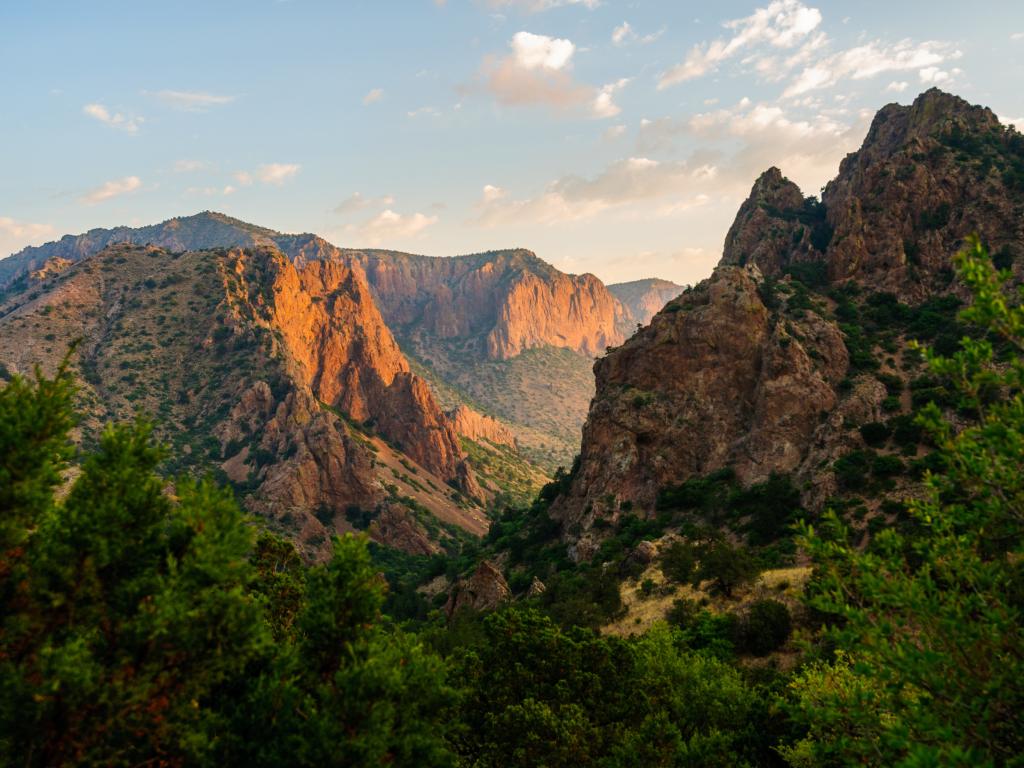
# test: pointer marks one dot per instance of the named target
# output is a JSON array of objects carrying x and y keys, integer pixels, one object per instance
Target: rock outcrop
[
  {"x": 476, "y": 426},
  {"x": 744, "y": 370},
  {"x": 485, "y": 590}
]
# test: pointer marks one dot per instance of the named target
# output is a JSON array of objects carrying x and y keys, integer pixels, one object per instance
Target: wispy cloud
[
  {"x": 537, "y": 6},
  {"x": 188, "y": 166},
  {"x": 111, "y": 189},
  {"x": 193, "y": 101},
  {"x": 871, "y": 59},
  {"x": 269, "y": 173},
  {"x": 625, "y": 34},
  {"x": 388, "y": 226},
  {"x": 357, "y": 201},
  {"x": 782, "y": 24},
  {"x": 373, "y": 96},
  {"x": 15, "y": 234},
  {"x": 113, "y": 119}
]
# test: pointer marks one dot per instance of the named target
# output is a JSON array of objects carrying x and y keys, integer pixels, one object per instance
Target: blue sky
[{"x": 610, "y": 137}]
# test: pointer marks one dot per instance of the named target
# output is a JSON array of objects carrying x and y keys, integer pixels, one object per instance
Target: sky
[{"x": 617, "y": 138}]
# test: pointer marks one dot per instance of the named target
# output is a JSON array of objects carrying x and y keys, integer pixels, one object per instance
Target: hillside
[{"x": 282, "y": 378}]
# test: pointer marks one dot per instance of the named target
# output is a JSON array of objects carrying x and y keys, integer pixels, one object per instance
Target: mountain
[
  {"x": 643, "y": 299},
  {"x": 512, "y": 335},
  {"x": 788, "y": 361},
  {"x": 502, "y": 332},
  {"x": 278, "y": 373}
]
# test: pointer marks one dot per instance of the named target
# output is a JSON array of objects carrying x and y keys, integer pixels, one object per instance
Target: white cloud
[
  {"x": 603, "y": 104},
  {"x": 869, "y": 60},
  {"x": 782, "y": 24},
  {"x": 373, "y": 96},
  {"x": 1017, "y": 36},
  {"x": 532, "y": 51},
  {"x": 357, "y": 202},
  {"x": 228, "y": 190},
  {"x": 536, "y": 6},
  {"x": 936, "y": 76},
  {"x": 741, "y": 141},
  {"x": 111, "y": 189},
  {"x": 897, "y": 86},
  {"x": 492, "y": 193},
  {"x": 623, "y": 33},
  {"x": 388, "y": 226},
  {"x": 114, "y": 120},
  {"x": 15, "y": 234},
  {"x": 277, "y": 173},
  {"x": 424, "y": 112},
  {"x": 574, "y": 198},
  {"x": 615, "y": 132},
  {"x": 188, "y": 166},
  {"x": 269, "y": 173},
  {"x": 537, "y": 71},
  {"x": 192, "y": 101}
]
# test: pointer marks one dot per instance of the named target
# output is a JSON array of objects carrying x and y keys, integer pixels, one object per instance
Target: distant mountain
[
  {"x": 645, "y": 298},
  {"x": 791, "y": 359}
]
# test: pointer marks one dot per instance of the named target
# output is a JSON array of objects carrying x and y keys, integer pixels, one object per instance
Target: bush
[
  {"x": 678, "y": 562},
  {"x": 726, "y": 566},
  {"x": 875, "y": 433},
  {"x": 764, "y": 628}
]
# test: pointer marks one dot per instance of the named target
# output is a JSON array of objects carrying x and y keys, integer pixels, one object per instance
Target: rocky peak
[
  {"x": 743, "y": 373},
  {"x": 927, "y": 176},
  {"x": 775, "y": 226}
]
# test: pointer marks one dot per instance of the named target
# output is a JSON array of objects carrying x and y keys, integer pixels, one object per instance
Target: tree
[
  {"x": 929, "y": 622},
  {"x": 141, "y": 626}
]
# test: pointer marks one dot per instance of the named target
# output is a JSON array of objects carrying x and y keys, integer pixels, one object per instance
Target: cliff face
[
  {"x": 349, "y": 359},
  {"x": 251, "y": 363},
  {"x": 497, "y": 304},
  {"x": 476, "y": 426},
  {"x": 643, "y": 299},
  {"x": 754, "y": 369}
]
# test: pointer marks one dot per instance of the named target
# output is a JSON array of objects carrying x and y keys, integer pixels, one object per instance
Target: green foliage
[
  {"x": 540, "y": 695},
  {"x": 678, "y": 562},
  {"x": 930, "y": 627},
  {"x": 764, "y": 628},
  {"x": 145, "y": 628},
  {"x": 725, "y": 566}
]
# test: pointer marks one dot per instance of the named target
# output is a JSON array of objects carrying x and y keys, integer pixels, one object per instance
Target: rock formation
[
  {"x": 745, "y": 370},
  {"x": 485, "y": 590},
  {"x": 476, "y": 426}
]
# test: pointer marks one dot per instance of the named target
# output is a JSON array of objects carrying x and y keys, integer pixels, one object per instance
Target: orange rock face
[
  {"x": 476, "y": 426},
  {"x": 499, "y": 304},
  {"x": 345, "y": 353}
]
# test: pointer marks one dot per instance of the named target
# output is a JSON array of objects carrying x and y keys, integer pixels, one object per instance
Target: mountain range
[{"x": 334, "y": 388}]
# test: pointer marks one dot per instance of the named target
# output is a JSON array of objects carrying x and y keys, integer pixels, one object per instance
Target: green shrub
[{"x": 764, "y": 628}]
